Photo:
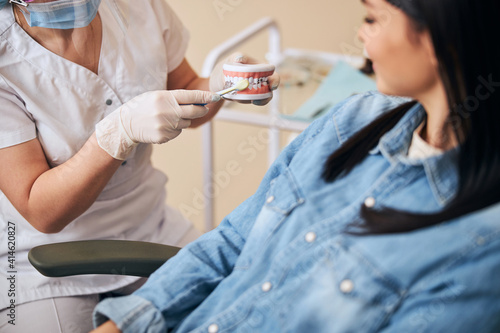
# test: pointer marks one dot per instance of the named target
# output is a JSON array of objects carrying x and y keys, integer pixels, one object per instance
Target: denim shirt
[{"x": 282, "y": 262}]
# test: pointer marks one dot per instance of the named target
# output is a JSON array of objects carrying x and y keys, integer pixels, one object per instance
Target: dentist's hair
[{"x": 465, "y": 39}]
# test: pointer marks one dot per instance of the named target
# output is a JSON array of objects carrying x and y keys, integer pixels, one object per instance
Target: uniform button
[
  {"x": 270, "y": 199},
  {"x": 124, "y": 162},
  {"x": 310, "y": 237},
  {"x": 213, "y": 328},
  {"x": 346, "y": 286},
  {"x": 370, "y": 202},
  {"x": 109, "y": 102},
  {"x": 266, "y": 286}
]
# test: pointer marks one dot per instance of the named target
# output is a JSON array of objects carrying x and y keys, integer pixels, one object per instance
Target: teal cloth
[{"x": 342, "y": 81}]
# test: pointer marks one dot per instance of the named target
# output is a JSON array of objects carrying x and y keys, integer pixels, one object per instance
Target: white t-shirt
[
  {"x": 45, "y": 96},
  {"x": 419, "y": 149}
]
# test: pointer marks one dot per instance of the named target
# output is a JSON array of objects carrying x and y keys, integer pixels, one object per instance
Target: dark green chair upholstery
[{"x": 114, "y": 257}]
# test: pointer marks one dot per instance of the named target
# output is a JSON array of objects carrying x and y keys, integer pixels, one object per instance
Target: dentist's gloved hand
[
  {"x": 217, "y": 79},
  {"x": 153, "y": 117}
]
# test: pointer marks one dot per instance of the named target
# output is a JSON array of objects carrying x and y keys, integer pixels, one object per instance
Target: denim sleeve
[
  {"x": 183, "y": 282},
  {"x": 460, "y": 299},
  {"x": 130, "y": 312}
]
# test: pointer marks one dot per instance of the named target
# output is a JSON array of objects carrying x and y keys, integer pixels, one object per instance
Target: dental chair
[{"x": 114, "y": 257}]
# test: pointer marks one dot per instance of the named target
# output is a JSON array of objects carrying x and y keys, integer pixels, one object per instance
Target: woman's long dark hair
[{"x": 465, "y": 38}]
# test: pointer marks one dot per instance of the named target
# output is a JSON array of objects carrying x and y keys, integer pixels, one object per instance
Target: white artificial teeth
[{"x": 254, "y": 82}]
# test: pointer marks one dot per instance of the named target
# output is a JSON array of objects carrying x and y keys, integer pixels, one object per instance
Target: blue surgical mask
[{"x": 61, "y": 14}]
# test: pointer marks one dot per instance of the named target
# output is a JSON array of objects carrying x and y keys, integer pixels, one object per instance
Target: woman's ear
[{"x": 426, "y": 42}]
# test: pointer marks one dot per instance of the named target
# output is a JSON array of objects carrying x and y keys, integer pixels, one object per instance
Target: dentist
[{"x": 85, "y": 88}]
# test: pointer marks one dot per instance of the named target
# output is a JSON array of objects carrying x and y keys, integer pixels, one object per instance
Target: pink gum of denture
[{"x": 257, "y": 76}]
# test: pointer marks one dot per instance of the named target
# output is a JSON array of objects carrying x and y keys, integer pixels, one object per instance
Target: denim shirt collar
[{"x": 441, "y": 170}]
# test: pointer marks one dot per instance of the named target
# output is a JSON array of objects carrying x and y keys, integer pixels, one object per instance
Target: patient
[{"x": 381, "y": 216}]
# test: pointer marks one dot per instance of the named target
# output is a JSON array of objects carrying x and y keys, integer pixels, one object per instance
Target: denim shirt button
[
  {"x": 370, "y": 202},
  {"x": 214, "y": 328},
  {"x": 310, "y": 237},
  {"x": 266, "y": 286},
  {"x": 346, "y": 286},
  {"x": 270, "y": 199}
]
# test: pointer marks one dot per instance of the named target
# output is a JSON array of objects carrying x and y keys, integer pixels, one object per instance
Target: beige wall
[{"x": 323, "y": 25}]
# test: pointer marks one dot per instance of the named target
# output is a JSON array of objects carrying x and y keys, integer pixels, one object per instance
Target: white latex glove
[
  {"x": 153, "y": 117},
  {"x": 217, "y": 80}
]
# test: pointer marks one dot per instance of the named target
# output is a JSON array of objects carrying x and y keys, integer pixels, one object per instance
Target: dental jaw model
[{"x": 258, "y": 81}]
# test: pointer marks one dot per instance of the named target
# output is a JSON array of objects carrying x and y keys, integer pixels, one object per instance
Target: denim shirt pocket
[
  {"x": 339, "y": 288},
  {"x": 283, "y": 196},
  {"x": 363, "y": 287}
]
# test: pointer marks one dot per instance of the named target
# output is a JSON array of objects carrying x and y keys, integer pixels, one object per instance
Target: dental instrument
[{"x": 241, "y": 85}]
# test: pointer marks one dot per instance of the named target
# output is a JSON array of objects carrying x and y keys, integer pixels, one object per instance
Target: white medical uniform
[{"x": 50, "y": 98}]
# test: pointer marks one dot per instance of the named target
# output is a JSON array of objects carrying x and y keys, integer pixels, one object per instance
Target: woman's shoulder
[
  {"x": 357, "y": 111},
  {"x": 374, "y": 101}
]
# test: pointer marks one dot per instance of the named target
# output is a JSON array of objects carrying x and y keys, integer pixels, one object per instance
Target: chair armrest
[{"x": 114, "y": 257}]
